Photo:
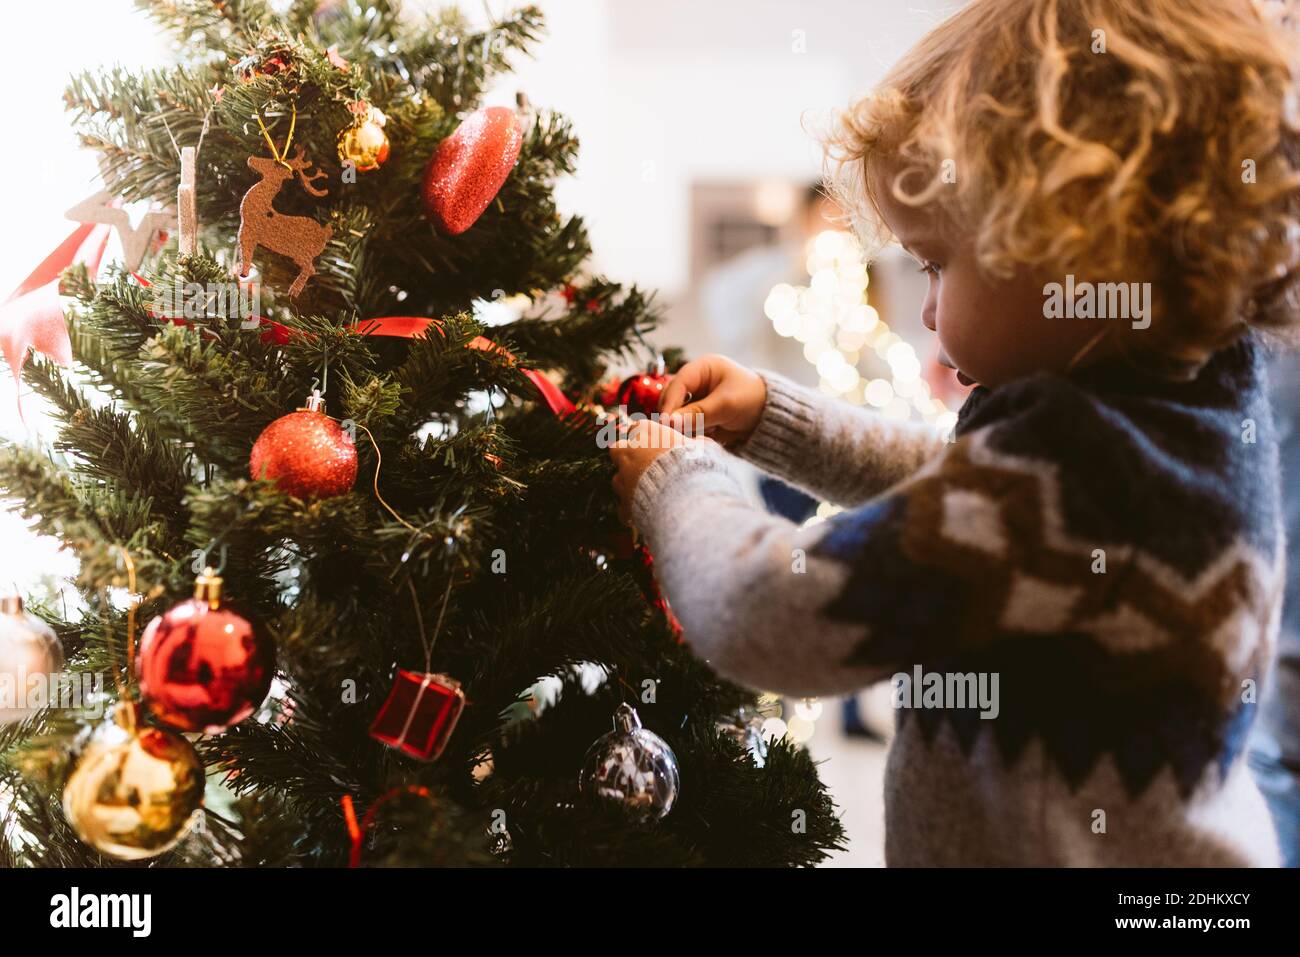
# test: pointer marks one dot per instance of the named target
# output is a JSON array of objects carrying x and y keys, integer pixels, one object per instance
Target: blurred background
[{"x": 697, "y": 178}]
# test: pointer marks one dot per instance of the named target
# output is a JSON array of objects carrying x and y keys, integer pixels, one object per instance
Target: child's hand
[
  {"x": 729, "y": 396},
  {"x": 645, "y": 441}
]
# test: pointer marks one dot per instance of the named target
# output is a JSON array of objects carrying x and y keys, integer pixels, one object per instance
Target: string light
[{"x": 843, "y": 335}]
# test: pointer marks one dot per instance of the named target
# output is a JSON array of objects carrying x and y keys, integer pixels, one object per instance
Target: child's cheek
[
  {"x": 968, "y": 325},
  {"x": 995, "y": 331}
]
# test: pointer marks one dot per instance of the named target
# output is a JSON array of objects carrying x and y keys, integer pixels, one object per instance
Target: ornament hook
[
  {"x": 201, "y": 563},
  {"x": 266, "y": 135}
]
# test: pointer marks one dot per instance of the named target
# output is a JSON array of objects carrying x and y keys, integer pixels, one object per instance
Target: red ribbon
[
  {"x": 412, "y": 327},
  {"x": 32, "y": 317},
  {"x": 54, "y": 264},
  {"x": 357, "y": 831},
  {"x": 626, "y": 548}
]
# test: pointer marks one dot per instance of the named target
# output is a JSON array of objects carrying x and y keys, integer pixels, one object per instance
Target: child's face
[{"x": 991, "y": 331}]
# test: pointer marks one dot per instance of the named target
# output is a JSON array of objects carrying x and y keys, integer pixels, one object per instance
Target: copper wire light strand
[
  {"x": 130, "y": 613},
  {"x": 122, "y": 683},
  {"x": 379, "y": 461}
]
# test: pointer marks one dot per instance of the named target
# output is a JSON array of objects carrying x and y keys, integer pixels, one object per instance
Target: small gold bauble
[
  {"x": 364, "y": 143},
  {"x": 134, "y": 789}
]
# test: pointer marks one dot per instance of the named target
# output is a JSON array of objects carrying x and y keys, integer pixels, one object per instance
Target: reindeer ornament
[{"x": 300, "y": 238}]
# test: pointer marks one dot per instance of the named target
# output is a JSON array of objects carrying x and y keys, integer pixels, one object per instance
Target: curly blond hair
[{"x": 1152, "y": 140}]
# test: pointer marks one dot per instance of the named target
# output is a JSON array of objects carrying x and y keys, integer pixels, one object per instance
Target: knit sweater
[{"x": 1100, "y": 554}]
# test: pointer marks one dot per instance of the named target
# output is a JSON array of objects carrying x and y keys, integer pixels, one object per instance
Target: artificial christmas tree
[{"x": 491, "y": 520}]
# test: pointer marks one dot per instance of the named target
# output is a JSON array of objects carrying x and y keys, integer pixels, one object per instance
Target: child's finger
[
  {"x": 692, "y": 379},
  {"x": 674, "y": 395},
  {"x": 624, "y": 500},
  {"x": 685, "y": 418},
  {"x": 714, "y": 409}
]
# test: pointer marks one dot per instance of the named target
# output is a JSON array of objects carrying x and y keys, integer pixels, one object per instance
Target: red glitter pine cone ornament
[
  {"x": 202, "y": 666},
  {"x": 306, "y": 454},
  {"x": 470, "y": 166}
]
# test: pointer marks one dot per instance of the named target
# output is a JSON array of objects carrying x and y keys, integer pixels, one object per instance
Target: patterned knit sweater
[{"x": 1105, "y": 546}]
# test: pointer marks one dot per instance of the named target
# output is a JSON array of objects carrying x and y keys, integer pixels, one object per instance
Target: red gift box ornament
[{"x": 420, "y": 714}]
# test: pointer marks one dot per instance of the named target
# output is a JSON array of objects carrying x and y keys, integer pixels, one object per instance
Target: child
[{"x": 1100, "y": 537}]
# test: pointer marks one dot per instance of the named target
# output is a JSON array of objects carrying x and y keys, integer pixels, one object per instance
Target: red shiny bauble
[
  {"x": 470, "y": 166},
  {"x": 642, "y": 392},
  {"x": 204, "y": 667},
  {"x": 307, "y": 454}
]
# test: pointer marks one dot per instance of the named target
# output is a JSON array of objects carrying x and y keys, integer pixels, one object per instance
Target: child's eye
[{"x": 930, "y": 268}]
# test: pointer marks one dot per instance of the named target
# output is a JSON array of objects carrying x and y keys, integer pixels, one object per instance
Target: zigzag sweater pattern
[{"x": 1107, "y": 544}]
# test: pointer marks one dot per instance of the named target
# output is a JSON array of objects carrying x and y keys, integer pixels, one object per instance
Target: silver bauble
[
  {"x": 745, "y": 727},
  {"x": 632, "y": 768},
  {"x": 30, "y": 654}
]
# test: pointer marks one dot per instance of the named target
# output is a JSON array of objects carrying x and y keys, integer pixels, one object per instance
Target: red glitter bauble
[
  {"x": 469, "y": 167},
  {"x": 203, "y": 666},
  {"x": 307, "y": 454},
  {"x": 642, "y": 392}
]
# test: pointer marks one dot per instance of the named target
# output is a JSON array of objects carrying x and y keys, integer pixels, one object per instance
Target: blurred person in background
[
  {"x": 731, "y": 295},
  {"x": 1275, "y": 745}
]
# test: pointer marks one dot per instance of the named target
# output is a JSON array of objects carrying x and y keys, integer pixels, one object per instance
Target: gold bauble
[
  {"x": 134, "y": 790},
  {"x": 365, "y": 143}
]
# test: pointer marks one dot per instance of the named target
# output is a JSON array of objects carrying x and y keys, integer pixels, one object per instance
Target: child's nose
[{"x": 930, "y": 308}]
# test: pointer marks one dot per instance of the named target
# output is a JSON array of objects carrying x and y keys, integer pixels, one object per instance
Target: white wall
[
  {"x": 43, "y": 171},
  {"x": 673, "y": 91}
]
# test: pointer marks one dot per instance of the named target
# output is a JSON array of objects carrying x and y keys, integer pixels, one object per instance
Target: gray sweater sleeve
[
  {"x": 841, "y": 453},
  {"x": 920, "y": 570},
  {"x": 744, "y": 584}
]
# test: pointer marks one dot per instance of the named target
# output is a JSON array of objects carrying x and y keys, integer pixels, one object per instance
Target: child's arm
[
  {"x": 964, "y": 551},
  {"x": 748, "y": 587},
  {"x": 839, "y": 452}
]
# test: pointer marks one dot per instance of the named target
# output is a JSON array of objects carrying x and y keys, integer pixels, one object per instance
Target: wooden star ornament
[{"x": 135, "y": 241}]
